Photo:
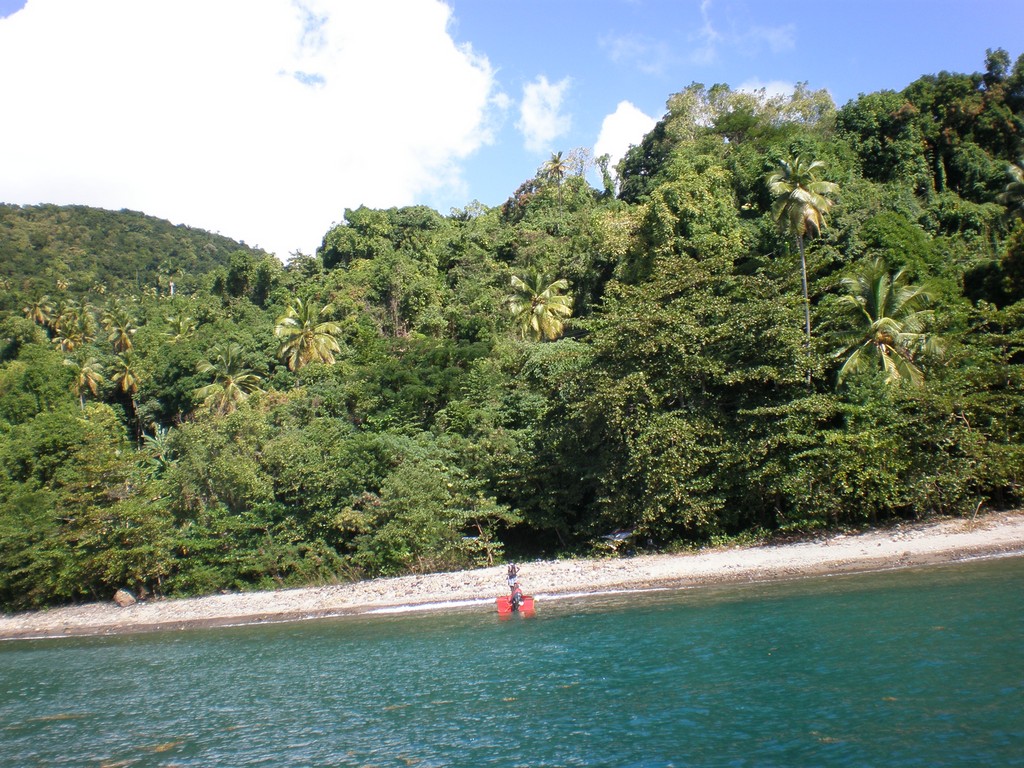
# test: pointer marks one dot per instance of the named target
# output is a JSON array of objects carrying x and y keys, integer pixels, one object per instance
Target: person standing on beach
[{"x": 516, "y": 598}]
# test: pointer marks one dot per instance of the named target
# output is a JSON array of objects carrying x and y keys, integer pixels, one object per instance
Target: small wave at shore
[
  {"x": 438, "y": 606},
  {"x": 452, "y": 604}
]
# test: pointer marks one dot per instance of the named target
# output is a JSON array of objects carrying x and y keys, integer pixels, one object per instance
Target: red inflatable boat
[{"x": 505, "y": 607}]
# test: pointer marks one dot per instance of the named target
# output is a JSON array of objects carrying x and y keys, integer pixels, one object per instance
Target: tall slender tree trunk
[
  {"x": 807, "y": 299},
  {"x": 134, "y": 417},
  {"x": 807, "y": 302}
]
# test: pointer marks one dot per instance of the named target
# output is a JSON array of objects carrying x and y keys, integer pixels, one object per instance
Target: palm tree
[
  {"x": 87, "y": 375},
  {"x": 540, "y": 310},
  {"x": 120, "y": 328},
  {"x": 1012, "y": 195},
  {"x": 180, "y": 327},
  {"x": 39, "y": 311},
  {"x": 158, "y": 446},
  {"x": 232, "y": 382},
  {"x": 126, "y": 378},
  {"x": 892, "y": 318},
  {"x": 126, "y": 375},
  {"x": 555, "y": 168},
  {"x": 800, "y": 207},
  {"x": 74, "y": 326},
  {"x": 304, "y": 338}
]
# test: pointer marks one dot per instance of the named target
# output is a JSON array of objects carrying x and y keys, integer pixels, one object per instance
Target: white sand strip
[{"x": 951, "y": 540}]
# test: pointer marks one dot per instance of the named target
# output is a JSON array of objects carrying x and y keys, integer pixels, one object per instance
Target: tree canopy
[{"x": 181, "y": 414}]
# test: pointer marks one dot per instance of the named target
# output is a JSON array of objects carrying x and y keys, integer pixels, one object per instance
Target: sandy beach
[{"x": 902, "y": 546}]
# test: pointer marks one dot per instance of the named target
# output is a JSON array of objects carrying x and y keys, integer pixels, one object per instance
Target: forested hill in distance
[
  {"x": 781, "y": 316},
  {"x": 90, "y": 250}
]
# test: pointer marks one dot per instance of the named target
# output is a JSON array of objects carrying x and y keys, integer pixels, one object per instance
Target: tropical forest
[{"x": 774, "y": 316}]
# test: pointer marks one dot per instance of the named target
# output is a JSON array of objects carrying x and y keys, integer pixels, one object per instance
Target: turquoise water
[{"x": 922, "y": 667}]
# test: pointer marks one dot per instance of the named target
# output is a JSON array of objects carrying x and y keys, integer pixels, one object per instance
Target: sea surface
[{"x": 920, "y": 667}]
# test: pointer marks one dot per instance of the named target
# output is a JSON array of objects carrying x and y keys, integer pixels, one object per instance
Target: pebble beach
[{"x": 903, "y": 546}]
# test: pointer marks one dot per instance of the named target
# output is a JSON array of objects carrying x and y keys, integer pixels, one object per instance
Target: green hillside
[
  {"x": 781, "y": 317},
  {"x": 93, "y": 251}
]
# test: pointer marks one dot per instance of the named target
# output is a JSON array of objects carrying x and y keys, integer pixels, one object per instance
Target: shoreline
[{"x": 902, "y": 546}]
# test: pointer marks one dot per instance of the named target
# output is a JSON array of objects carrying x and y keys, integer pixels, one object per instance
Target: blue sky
[
  {"x": 644, "y": 50},
  {"x": 264, "y": 121}
]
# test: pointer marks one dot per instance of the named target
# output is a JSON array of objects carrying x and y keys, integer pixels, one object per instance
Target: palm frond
[{"x": 896, "y": 323}]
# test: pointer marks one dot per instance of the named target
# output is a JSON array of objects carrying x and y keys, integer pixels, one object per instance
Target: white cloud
[
  {"x": 707, "y": 38},
  {"x": 771, "y": 89},
  {"x": 652, "y": 57},
  {"x": 262, "y": 121},
  {"x": 738, "y": 40},
  {"x": 624, "y": 127},
  {"x": 778, "y": 39},
  {"x": 540, "y": 117}
]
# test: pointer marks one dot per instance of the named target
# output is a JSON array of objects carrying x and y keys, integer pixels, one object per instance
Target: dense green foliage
[
  {"x": 430, "y": 392},
  {"x": 89, "y": 252}
]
